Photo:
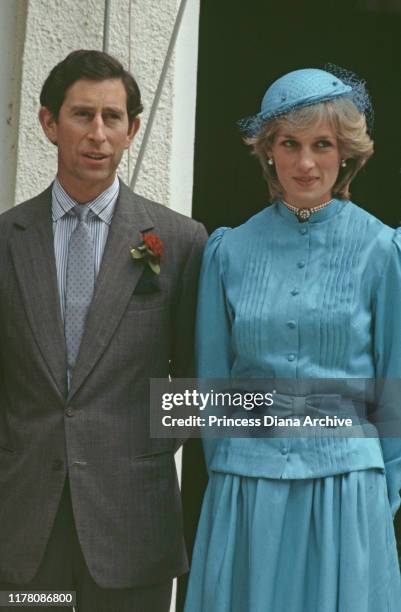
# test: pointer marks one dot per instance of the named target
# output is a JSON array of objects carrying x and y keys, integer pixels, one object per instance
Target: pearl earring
[
  {"x": 343, "y": 163},
  {"x": 270, "y": 161}
]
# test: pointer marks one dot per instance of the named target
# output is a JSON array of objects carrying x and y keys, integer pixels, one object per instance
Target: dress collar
[{"x": 329, "y": 211}]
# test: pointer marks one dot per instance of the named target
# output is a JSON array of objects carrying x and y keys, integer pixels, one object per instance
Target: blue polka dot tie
[{"x": 80, "y": 284}]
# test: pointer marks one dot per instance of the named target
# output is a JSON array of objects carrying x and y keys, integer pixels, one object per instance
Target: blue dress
[{"x": 300, "y": 524}]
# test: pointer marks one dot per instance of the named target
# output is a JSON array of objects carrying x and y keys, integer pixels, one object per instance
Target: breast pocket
[
  {"x": 143, "y": 303},
  {"x": 149, "y": 294}
]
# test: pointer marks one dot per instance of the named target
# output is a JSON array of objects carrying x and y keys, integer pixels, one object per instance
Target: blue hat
[{"x": 306, "y": 87}]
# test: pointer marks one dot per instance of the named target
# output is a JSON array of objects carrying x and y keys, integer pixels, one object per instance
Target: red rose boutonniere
[{"x": 151, "y": 251}]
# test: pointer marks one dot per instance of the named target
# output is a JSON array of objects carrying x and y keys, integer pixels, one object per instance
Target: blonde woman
[{"x": 309, "y": 288}]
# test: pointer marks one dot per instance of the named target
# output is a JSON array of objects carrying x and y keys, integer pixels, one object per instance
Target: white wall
[
  {"x": 12, "y": 30},
  {"x": 53, "y": 29},
  {"x": 139, "y": 35}
]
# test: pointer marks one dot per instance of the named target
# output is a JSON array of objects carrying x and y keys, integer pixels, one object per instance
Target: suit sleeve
[
  {"x": 214, "y": 355},
  {"x": 182, "y": 356},
  {"x": 388, "y": 369}
]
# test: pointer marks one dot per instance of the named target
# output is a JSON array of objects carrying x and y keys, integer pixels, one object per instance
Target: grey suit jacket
[{"x": 124, "y": 487}]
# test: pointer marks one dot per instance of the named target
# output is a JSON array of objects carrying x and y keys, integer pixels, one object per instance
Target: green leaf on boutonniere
[
  {"x": 138, "y": 252},
  {"x": 155, "y": 267},
  {"x": 151, "y": 251}
]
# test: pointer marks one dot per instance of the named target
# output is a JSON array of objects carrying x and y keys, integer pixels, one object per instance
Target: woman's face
[{"x": 307, "y": 164}]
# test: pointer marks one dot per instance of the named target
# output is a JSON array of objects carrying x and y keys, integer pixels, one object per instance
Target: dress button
[
  {"x": 69, "y": 412},
  {"x": 295, "y": 291},
  {"x": 284, "y": 451},
  {"x": 291, "y": 357},
  {"x": 301, "y": 264},
  {"x": 291, "y": 324},
  {"x": 303, "y": 230}
]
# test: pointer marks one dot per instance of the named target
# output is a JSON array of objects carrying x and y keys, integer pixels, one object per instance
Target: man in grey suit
[{"x": 88, "y": 500}]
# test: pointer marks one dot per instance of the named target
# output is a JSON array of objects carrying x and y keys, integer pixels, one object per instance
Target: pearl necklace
[{"x": 303, "y": 214}]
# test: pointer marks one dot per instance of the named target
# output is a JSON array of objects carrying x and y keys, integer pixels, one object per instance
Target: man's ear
[
  {"x": 132, "y": 131},
  {"x": 48, "y": 123}
]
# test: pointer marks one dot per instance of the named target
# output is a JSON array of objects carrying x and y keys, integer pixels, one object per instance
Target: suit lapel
[
  {"x": 32, "y": 251},
  {"x": 115, "y": 284}
]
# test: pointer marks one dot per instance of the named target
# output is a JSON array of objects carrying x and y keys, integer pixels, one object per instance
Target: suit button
[
  {"x": 69, "y": 412},
  {"x": 284, "y": 451},
  {"x": 301, "y": 264},
  {"x": 291, "y": 324},
  {"x": 291, "y": 357},
  {"x": 57, "y": 465},
  {"x": 295, "y": 291}
]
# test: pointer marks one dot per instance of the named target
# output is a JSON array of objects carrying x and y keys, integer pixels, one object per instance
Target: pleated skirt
[{"x": 317, "y": 545}]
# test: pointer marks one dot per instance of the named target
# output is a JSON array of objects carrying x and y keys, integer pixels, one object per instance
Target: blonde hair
[{"x": 346, "y": 121}]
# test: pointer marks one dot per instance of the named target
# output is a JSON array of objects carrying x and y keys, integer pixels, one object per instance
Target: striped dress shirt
[{"x": 64, "y": 223}]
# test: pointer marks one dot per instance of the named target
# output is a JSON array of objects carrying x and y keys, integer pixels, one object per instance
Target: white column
[{"x": 184, "y": 111}]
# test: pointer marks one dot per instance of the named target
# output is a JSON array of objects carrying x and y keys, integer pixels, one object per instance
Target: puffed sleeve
[
  {"x": 213, "y": 327},
  {"x": 214, "y": 355},
  {"x": 388, "y": 366}
]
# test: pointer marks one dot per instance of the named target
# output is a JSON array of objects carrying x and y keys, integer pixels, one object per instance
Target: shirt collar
[{"x": 102, "y": 206}]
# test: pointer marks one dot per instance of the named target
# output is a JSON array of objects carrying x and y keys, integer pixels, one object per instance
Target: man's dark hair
[{"x": 94, "y": 66}]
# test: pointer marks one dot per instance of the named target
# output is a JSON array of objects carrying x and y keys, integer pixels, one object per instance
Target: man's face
[{"x": 91, "y": 133}]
